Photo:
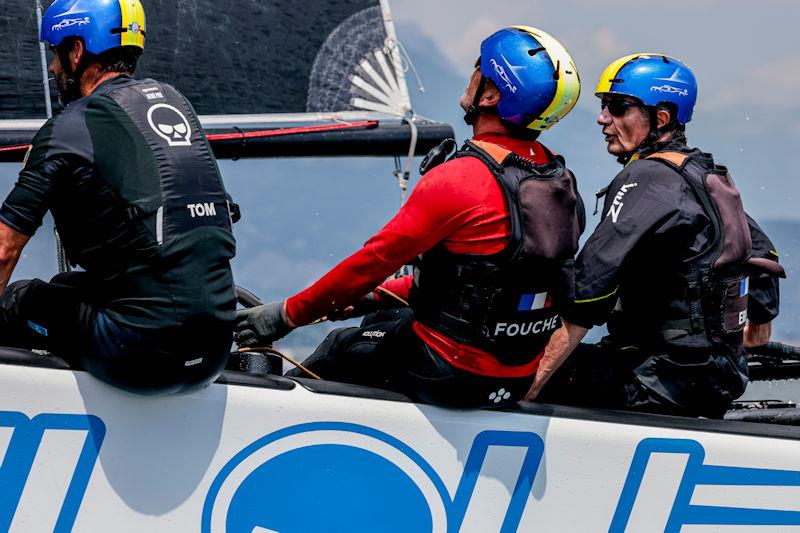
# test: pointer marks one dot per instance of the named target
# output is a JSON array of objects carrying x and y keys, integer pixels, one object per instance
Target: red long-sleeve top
[{"x": 459, "y": 204}]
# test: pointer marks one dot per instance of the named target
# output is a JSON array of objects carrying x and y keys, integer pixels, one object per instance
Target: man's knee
[{"x": 324, "y": 361}]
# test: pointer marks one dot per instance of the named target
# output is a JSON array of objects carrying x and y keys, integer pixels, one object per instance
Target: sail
[{"x": 248, "y": 64}]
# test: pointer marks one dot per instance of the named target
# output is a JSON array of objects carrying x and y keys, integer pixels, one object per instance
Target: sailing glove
[{"x": 261, "y": 325}]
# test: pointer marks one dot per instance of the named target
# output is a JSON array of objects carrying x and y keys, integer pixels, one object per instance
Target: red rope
[
  {"x": 290, "y": 131},
  {"x": 12, "y": 148}
]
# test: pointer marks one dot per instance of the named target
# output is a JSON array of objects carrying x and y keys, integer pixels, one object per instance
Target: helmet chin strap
[
  {"x": 474, "y": 108},
  {"x": 73, "y": 89},
  {"x": 653, "y": 135}
]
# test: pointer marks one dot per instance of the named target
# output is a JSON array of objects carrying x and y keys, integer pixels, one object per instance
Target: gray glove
[{"x": 261, "y": 325}]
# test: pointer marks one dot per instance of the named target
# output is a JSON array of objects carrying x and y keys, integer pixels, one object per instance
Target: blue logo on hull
[
  {"x": 699, "y": 474},
  {"x": 19, "y": 460},
  {"x": 332, "y": 476}
]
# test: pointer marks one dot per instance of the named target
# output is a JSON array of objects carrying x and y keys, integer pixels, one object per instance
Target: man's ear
[
  {"x": 662, "y": 118},
  {"x": 77, "y": 52},
  {"x": 491, "y": 96}
]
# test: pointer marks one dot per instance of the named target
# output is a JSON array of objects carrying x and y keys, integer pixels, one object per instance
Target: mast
[{"x": 43, "y": 57}]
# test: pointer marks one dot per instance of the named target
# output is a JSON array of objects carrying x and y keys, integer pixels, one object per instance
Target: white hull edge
[{"x": 81, "y": 456}]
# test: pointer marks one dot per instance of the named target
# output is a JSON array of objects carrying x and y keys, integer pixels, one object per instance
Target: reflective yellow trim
[
  {"x": 132, "y": 12},
  {"x": 773, "y": 252},
  {"x": 568, "y": 88},
  {"x": 634, "y": 157},
  {"x": 611, "y": 71},
  {"x": 590, "y": 300}
]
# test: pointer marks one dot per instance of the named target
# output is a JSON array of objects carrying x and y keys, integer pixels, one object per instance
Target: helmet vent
[
  {"x": 665, "y": 59},
  {"x": 557, "y": 73},
  {"x": 535, "y": 51}
]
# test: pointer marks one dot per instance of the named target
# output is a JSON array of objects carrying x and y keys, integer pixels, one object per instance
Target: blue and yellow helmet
[
  {"x": 537, "y": 78},
  {"x": 654, "y": 79},
  {"x": 102, "y": 24}
]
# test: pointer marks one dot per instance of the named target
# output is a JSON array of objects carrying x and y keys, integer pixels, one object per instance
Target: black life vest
[
  {"x": 155, "y": 180},
  {"x": 713, "y": 308},
  {"x": 506, "y": 303}
]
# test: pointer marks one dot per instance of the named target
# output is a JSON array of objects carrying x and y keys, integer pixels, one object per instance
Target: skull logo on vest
[{"x": 170, "y": 124}]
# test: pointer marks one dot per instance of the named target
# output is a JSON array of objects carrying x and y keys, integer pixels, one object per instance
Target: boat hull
[{"x": 252, "y": 454}]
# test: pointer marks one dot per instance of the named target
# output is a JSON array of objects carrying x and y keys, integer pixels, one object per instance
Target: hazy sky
[{"x": 746, "y": 54}]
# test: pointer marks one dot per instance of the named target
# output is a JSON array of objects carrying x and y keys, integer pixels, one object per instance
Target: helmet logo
[
  {"x": 134, "y": 28},
  {"x": 503, "y": 75},
  {"x": 66, "y": 23},
  {"x": 170, "y": 124},
  {"x": 669, "y": 89}
]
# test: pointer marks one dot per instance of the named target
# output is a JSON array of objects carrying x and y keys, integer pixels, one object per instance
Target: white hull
[{"x": 248, "y": 458}]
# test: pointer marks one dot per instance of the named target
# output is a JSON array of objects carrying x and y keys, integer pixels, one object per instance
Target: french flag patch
[
  {"x": 531, "y": 302},
  {"x": 744, "y": 287}
]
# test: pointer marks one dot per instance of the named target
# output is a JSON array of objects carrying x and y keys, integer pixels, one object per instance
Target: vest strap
[
  {"x": 676, "y": 158},
  {"x": 496, "y": 152}
]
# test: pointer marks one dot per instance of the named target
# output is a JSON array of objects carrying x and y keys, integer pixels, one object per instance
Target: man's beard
[{"x": 68, "y": 89}]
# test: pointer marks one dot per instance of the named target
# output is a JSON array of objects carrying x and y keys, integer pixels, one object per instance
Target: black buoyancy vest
[
  {"x": 504, "y": 302},
  {"x": 714, "y": 306},
  {"x": 174, "y": 188}
]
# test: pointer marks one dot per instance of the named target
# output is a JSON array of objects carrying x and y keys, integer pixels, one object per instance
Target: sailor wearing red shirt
[{"x": 492, "y": 233}]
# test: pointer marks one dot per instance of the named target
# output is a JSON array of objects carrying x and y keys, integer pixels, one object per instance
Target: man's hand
[
  {"x": 261, "y": 325},
  {"x": 756, "y": 335},
  {"x": 561, "y": 344}
]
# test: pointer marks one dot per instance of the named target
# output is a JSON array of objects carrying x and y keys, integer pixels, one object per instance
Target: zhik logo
[{"x": 617, "y": 205}]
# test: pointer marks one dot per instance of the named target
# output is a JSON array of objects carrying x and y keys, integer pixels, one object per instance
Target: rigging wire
[
  {"x": 406, "y": 62},
  {"x": 403, "y": 175}
]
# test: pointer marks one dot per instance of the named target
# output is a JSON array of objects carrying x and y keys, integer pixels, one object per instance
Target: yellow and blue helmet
[
  {"x": 537, "y": 78},
  {"x": 654, "y": 79},
  {"x": 102, "y": 24}
]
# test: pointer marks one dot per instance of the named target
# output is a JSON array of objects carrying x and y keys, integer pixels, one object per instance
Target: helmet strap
[
  {"x": 73, "y": 89},
  {"x": 656, "y": 132},
  {"x": 653, "y": 135},
  {"x": 474, "y": 108}
]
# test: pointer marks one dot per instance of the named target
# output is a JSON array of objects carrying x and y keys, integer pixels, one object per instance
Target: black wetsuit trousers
[
  {"x": 604, "y": 376},
  {"x": 65, "y": 318},
  {"x": 384, "y": 352}
]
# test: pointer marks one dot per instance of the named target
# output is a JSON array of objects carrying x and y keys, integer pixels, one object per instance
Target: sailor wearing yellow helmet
[
  {"x": 684, "y": 279},
  {"x": 495, "y": 229},
  {"x": 119, "y": 168}
]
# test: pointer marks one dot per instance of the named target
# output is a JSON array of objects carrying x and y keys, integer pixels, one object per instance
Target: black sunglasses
[{"x": 617, "y": 107}]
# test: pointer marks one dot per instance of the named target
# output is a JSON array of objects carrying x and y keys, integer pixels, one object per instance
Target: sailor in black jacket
[
  {"x": 139, "y": 203},
  {"x": 675, "y": 267}
]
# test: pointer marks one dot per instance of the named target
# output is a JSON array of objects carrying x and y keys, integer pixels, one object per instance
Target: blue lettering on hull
[
  {"x": 18, "y": 461},
  {"x": 698, "y": 474}
]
